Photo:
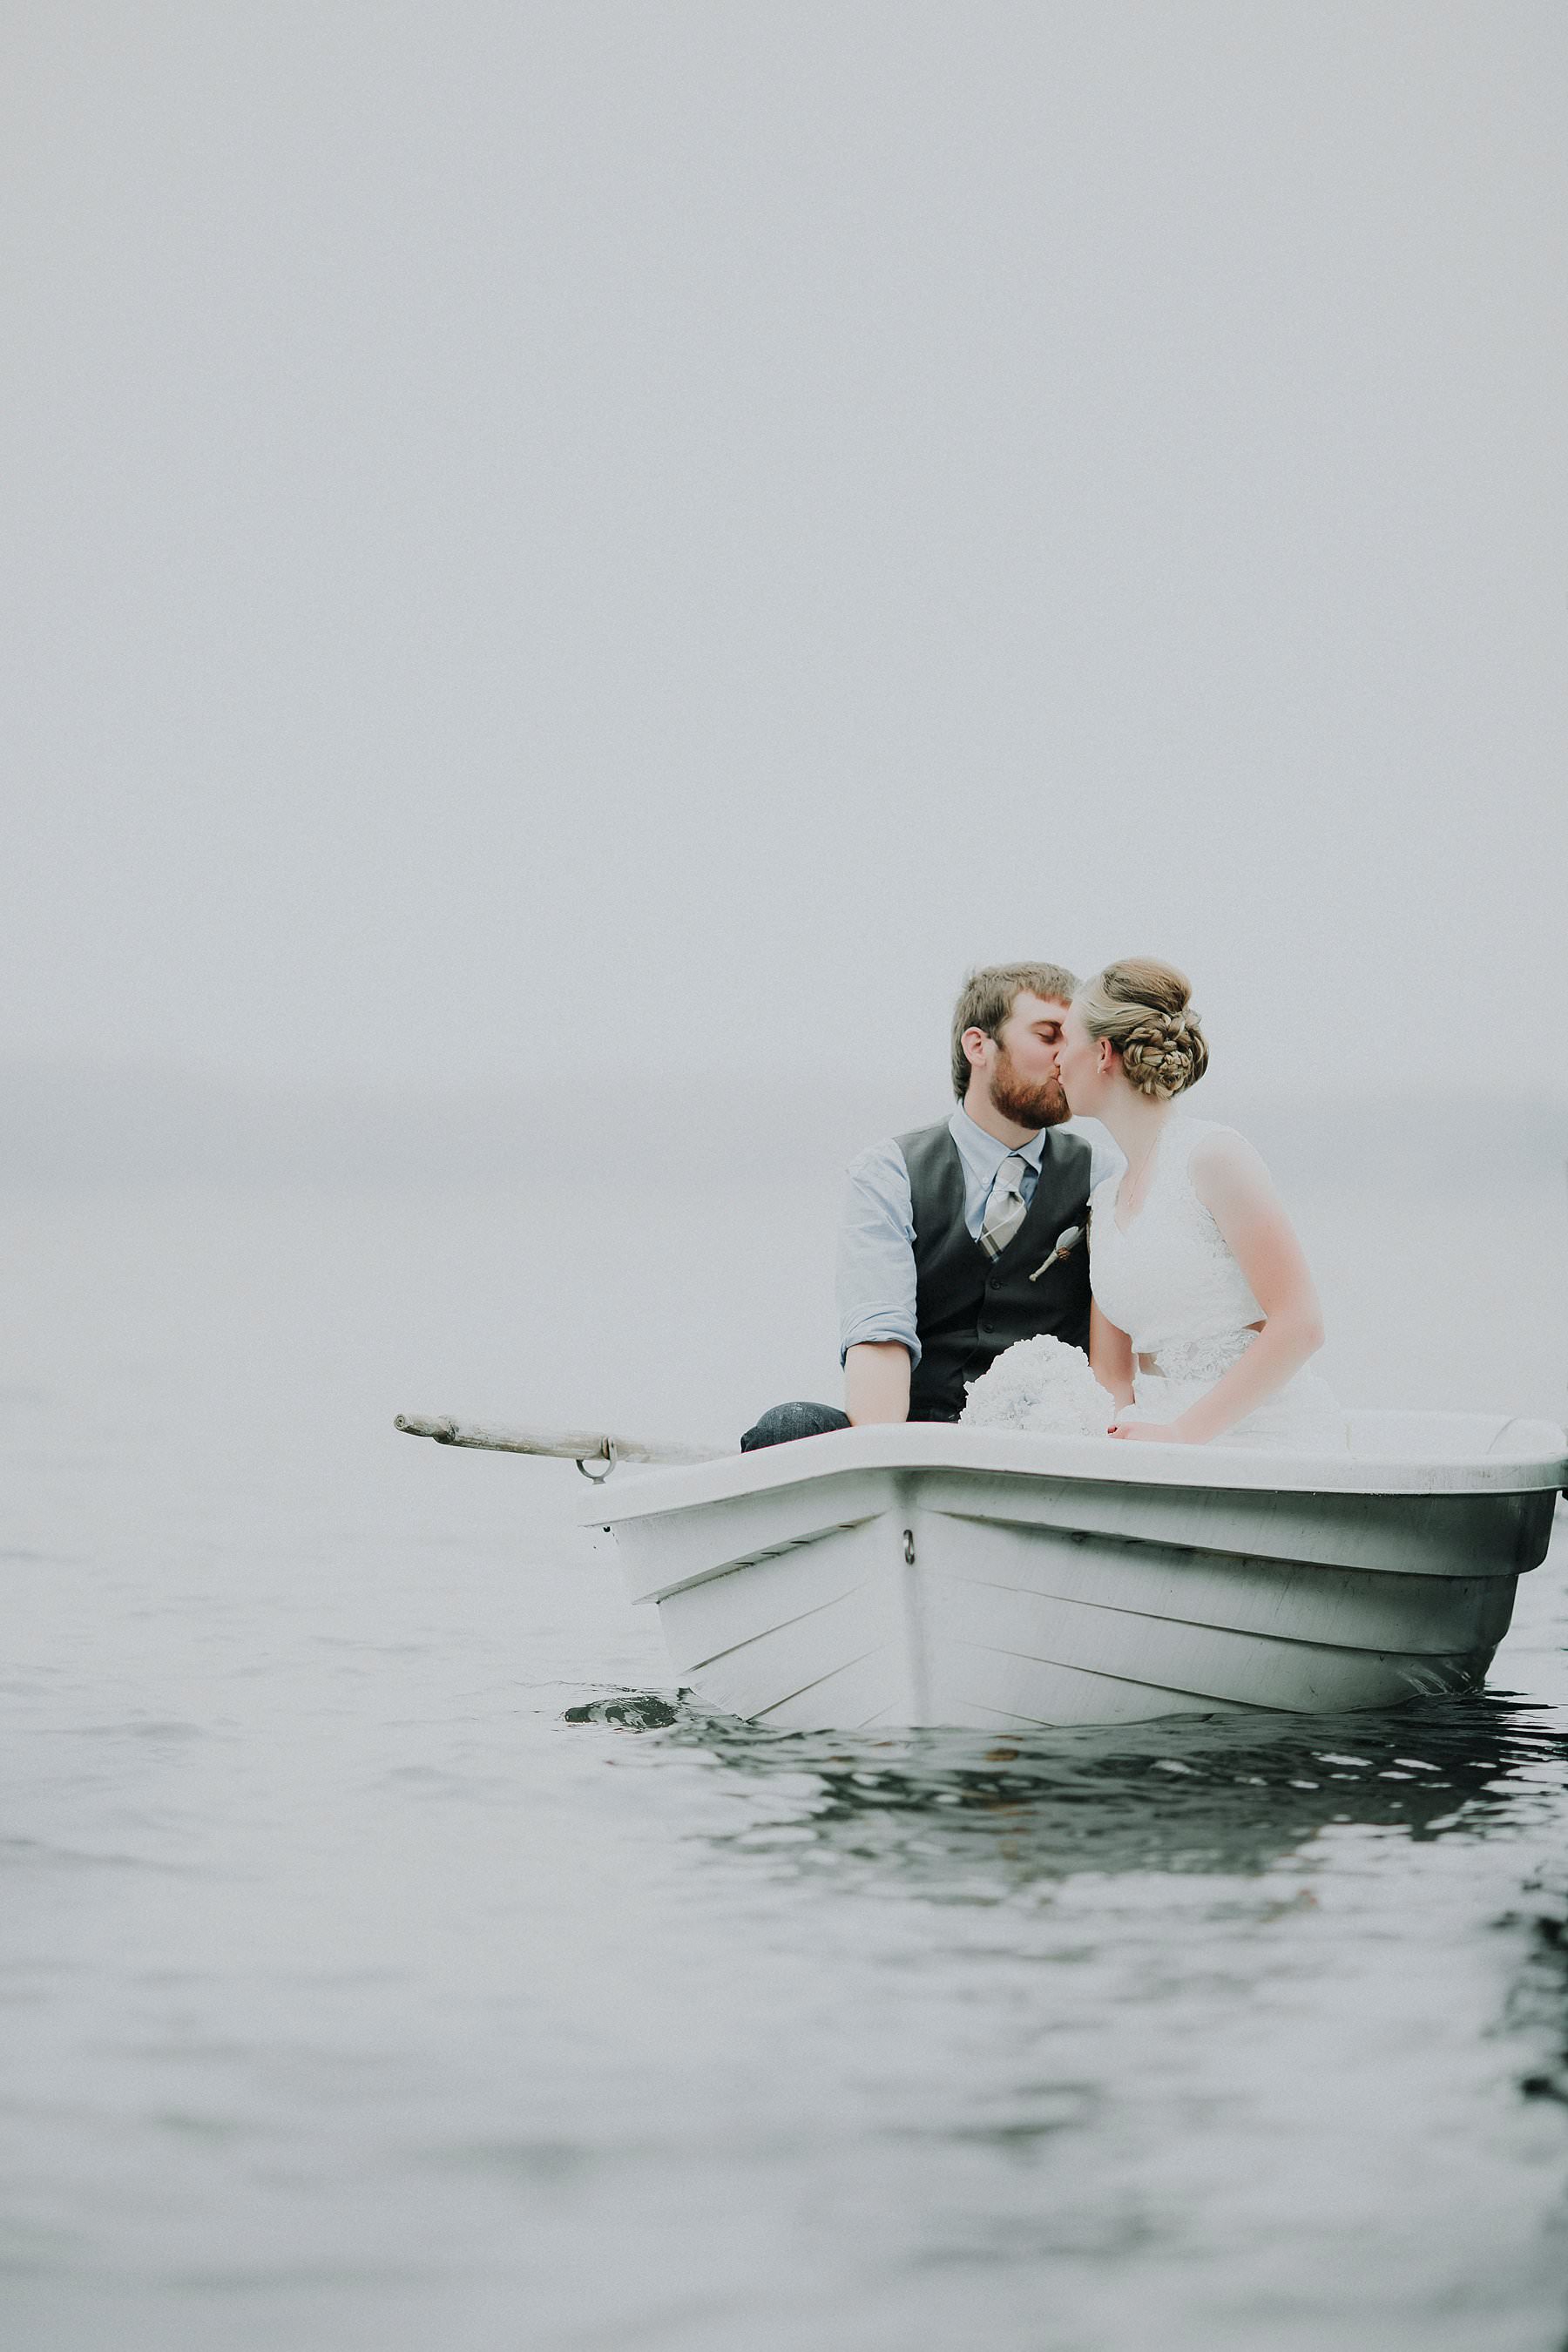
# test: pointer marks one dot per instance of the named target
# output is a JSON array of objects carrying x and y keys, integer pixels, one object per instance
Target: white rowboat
[{"x": 926, "y": 1574}]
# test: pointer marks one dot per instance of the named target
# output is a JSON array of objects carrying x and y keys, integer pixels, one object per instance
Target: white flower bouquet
[{"x": 1041, "y": 1385}]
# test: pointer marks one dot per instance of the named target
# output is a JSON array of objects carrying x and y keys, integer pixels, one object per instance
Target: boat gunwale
[{"x": 942, "y": 1447}]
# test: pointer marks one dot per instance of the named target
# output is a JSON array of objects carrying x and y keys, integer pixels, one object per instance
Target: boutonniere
[{"x": 1066, "y": 1244}]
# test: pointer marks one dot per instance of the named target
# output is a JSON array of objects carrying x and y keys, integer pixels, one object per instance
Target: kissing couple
[{"x": 999, "y": 1267}]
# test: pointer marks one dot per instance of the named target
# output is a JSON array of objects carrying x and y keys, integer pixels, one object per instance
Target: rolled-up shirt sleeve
[{"x": 877, "y": 1254}]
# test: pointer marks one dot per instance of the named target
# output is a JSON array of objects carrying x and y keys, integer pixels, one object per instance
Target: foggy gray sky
[{"x": 619, "y": 534}]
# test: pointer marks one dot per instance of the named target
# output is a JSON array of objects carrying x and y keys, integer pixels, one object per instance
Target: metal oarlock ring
[{"x": 597, "y": 1477}]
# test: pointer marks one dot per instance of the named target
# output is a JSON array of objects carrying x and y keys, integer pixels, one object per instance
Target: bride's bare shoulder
[{"x": 1220, "y": 1161}]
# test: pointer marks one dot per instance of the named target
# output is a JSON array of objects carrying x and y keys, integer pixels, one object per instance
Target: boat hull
[{"x": 907, "y": 1578}]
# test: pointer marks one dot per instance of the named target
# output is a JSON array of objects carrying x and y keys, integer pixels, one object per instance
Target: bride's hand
[{"x": 1148, "y": 1432}]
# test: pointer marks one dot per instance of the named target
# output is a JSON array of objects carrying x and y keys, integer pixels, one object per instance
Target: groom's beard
[{"x": 1042, "y": 1104}]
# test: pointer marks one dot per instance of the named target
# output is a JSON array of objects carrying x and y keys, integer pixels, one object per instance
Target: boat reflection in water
[
  {"x": 1169, "y": 2027},
  {"x": 1217, "y": 1794}
]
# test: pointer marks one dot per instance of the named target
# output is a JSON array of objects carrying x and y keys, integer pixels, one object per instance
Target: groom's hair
[{"x": 989, "y": 995}]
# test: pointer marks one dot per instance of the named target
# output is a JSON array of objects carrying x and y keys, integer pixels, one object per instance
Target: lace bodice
[{"x": 1171, "y": 1281}]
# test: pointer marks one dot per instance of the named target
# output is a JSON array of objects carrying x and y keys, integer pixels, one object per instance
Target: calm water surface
[{"x": 386, "y": 1961}]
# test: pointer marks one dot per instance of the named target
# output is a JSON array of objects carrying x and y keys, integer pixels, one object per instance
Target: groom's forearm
[{"x": 876, "y": 1381}]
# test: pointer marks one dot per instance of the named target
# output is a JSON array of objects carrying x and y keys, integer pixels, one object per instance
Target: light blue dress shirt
[{"x": 877, "y": 1234}]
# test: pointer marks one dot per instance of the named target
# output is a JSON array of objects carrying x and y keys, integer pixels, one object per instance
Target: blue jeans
[{"x": 782, "y": 1422}]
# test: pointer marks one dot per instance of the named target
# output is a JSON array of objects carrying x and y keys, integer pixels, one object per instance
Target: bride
[{"x": 1204, "y": 1314}]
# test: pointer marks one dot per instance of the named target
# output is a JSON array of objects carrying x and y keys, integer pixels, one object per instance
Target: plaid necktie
[{"x": 1006, "y": 1208}]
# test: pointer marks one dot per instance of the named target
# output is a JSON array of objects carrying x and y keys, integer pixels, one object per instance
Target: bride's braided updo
[{"x": 1143, "y": 1006}]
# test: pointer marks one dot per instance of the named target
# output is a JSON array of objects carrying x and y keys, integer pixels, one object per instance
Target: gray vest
[{"x": 968, "y": 1307}]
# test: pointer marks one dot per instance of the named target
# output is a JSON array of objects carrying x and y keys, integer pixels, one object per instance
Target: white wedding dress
[{"x": 1170, "y": 1281}]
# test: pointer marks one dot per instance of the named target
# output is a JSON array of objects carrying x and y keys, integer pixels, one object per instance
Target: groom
[{"x": 944, "y": 1229}]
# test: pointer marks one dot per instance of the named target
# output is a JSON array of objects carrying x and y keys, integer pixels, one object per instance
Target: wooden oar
[{"x": 562, "y": 1445}]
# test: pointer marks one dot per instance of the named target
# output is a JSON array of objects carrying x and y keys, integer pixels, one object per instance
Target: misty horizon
[{"x": 74, "y": 1123}]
